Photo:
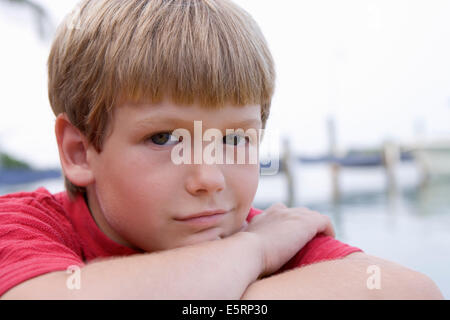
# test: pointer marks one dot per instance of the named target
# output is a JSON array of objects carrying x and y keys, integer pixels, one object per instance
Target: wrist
[{"x": 253, "y": 250}]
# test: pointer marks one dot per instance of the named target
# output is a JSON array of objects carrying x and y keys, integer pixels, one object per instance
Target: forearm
[
  {"x": 315, "y": 282},
  {"x": 345, "y": 278},
  {"x": 219, "y": 269},
  {"x": 213, "y": 270}
]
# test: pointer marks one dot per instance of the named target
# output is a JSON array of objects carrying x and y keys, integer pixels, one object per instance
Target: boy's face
[{"x": 141, "y": 198}]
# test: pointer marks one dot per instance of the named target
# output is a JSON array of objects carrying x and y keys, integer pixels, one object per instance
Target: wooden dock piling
[{"x": 286, "y": 164}]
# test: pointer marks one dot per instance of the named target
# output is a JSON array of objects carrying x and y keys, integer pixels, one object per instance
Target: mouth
[
  {"x": 203, "y": 214},
  {"x": 204, "y": 219}
]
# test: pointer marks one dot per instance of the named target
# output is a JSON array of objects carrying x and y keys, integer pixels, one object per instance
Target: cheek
[
  {"x": 136, "y": 172},
  {"x": 243, "y": 181},
  {"x": 137, "y": 210},
  {"x": 132, "y": 192}
]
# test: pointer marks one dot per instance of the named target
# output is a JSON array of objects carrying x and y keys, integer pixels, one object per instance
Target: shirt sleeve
[
  {"x": 35, "y": 238},
  {"x": 320, "y": 248}
]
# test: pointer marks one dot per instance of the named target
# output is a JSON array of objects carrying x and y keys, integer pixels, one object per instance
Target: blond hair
[{"x": 209, "y": 52}]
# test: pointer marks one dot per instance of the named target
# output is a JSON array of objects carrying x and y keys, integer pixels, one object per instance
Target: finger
[
  {"x": 278, "y": 205},
  {"x": 329, "y": 229},
  {"x": 244, "y": 226}
]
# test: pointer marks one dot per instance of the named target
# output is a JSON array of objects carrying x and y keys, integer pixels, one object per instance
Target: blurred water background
[{"x": 353, "y": 77}]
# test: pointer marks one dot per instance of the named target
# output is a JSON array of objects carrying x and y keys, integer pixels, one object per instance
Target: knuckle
[
  {"x": 305, "y": 210},
  {"x": 279, "y": 205},
  {"x": 277, "y": 208}
]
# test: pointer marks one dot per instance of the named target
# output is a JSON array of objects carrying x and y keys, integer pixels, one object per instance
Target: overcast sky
[{"x": 381, "y": 68}]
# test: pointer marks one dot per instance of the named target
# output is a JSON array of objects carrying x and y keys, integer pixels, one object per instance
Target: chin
[{"x": 203, "y": 236}]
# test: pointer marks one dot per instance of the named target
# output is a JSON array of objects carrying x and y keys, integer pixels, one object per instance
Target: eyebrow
[{"x": 177, "y": 121}]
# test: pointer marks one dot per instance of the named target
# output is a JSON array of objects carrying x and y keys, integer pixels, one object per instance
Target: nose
[{"x": 204, "y": 179}]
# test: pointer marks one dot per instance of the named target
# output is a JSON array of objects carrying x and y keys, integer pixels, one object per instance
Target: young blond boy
[{"x": 123, "y": 76}]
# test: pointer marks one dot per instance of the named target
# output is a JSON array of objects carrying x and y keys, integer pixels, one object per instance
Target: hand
[{"x": 283, "y": 231}]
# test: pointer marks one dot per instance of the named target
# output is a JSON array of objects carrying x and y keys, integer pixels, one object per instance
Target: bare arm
[
  {"x": 212, "y": 270},
  {"x": 346, "y": 279}
]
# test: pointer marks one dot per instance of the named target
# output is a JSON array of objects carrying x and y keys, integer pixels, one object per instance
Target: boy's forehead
[{"x": 167, "y": 112}]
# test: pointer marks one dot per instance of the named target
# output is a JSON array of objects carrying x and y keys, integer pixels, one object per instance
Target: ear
[{"x": 73, "y": 147}]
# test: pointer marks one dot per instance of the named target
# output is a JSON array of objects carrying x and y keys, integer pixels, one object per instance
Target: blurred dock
[{"x": 388, "y": 168}]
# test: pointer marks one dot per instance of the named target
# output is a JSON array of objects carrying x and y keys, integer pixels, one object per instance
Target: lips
[{"x": 208, "y": 213}]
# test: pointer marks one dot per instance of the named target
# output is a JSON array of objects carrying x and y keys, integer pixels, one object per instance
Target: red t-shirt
[{"x": 42, "y": 232}]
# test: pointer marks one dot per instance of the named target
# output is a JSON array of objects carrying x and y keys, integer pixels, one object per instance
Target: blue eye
[
  {"x": 162, "y": 138},
  {"x": 234, "y": 139}
]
